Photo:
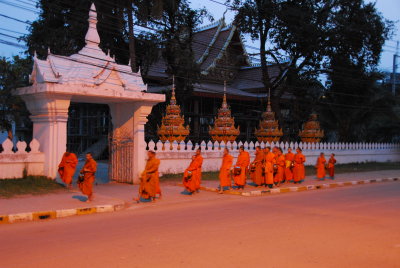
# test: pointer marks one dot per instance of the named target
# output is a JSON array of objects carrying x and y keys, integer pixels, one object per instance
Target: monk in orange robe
[
  {"x": 299, "y": 172},
  {"x": 149, "y": 180},
  {"x": 242, "y": 164},
  {"x": 88, "y": 171},
  {"x": 225, "y": 171},
  {"x": 192, "y": 175},
  {"x": 269, "y": 167},
  {"x": 331, "y": 166},
  {"x": 258, "y": 166},
  {"x": 67, "y": 168},
  {"x": 280, "y": 167},
  {"x": 289, "y": 157},
  {"x": 320, "y": 167}
]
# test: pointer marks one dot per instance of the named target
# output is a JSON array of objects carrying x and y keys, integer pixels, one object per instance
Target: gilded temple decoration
[
  {"x": 268, "y": 130},
  {"x": 311, "y": 130},
  {"x": 172, "y": 128},
  {"x": 224, "y": 127}
]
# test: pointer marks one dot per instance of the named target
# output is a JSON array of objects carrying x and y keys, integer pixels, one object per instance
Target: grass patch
[
  {"x": 33, "y": 185},
  {"x": 310, "y": 170},
  {"x": 206, "y": 176},
  {"x": 359, "y": 167}
]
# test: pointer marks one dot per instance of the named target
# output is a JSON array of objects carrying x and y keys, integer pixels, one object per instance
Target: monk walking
[
  {"x": 225, "y": 171},
  {"x": 299, "y": 172},
  {"x": 289, "y": 157},
  {"x": 280, "y": 164},
  {"x": 240, "y": 169},
  {"x": 258, "y": 166},
  {"x": 149, "y": 179},
  {"x": 88, "y": 171},
  {"x": 269, "y": 167},
  {"x": 67, "y": 168},
  {"x": 192, "y": 175},
  {"x": 331, "y": 166},
  {"x": 320, "y": 167}
]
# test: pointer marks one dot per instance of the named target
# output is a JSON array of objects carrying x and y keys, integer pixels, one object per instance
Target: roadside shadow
[{"x": 80, "y": 198}]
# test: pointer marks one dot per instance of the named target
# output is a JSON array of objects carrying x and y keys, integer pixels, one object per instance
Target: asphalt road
[{"x": 342, "y": 227}]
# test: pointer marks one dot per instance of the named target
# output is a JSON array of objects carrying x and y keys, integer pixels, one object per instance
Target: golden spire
[
  {"x": 268, "y": 130},
  {"x": 224, "y": 127},
  {"x": 172, "y": 128},
  {"x": 173, "y": 99},
  {"x": 224, "y": 103},
  {"x": 311, "y": 130}
]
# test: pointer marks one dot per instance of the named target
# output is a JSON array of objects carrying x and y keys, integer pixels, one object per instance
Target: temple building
[
  {"x": 220, "y": 52},
  {"x": 221, "y": 55}
]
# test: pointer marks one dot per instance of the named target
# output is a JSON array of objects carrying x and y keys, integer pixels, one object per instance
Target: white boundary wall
[
  {"x": 176, "y": 161},
  {"x": 12, "y": 165}
]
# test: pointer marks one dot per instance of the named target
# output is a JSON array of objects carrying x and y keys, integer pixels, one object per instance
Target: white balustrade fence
[
  {"x": 13, "y": 164},
  {"x": 175, "y": 158}
]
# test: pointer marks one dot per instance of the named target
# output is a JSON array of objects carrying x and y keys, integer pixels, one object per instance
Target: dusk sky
[{"x": 28, "y": 12}]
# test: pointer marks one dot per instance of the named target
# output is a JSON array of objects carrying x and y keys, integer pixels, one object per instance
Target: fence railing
[
  {"x": 19, "y": 159},
  {"x": 210, "y": 146}
]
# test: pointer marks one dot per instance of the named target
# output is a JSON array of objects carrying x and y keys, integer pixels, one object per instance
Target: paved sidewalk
[
  {"x": 311, "y": 180},
  {"x": 115, "y": 196}
]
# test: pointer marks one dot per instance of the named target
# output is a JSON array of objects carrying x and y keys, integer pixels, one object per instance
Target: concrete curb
[
  {"x": 46, "y": 215},
  {"x": 300, "y": 188}
]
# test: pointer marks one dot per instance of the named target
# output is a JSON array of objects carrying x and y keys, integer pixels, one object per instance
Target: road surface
[{"x": 342, "y": 227}]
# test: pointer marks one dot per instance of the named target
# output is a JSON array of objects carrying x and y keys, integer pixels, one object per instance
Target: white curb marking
[
  {"x": 65, "y": 212},
  {"x": 20, "y": 217}
]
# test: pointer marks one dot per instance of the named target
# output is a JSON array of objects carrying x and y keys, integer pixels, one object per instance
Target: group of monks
[
  {"x": 269, "y": 168},
  {"x": 322, "y": 164},
  {"x": 67, "y": 168}
]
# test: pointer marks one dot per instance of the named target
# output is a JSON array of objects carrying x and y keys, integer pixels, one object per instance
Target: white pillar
[
  {"x": 139, "y": 144},
  {"x": 49, "y": 114}
]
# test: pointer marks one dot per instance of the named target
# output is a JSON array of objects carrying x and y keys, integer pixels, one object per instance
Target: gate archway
[{"x": 90, "y": 76}]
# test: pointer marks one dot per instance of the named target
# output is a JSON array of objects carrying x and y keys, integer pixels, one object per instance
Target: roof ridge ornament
[{"x": 92, "y": 37}]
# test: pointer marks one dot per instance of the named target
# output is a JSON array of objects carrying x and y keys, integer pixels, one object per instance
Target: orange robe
[
  {"x": 280, "y": 173},
  {"x": 289, "y": 157},
  {"x": 269, "y": 168},
  {"x": 320, "y": 166},
  {"x": 224, "y": 172},
  {"x": 88, "y": 170},
  {"x": 149, "y": 180},
  {"x": 331, "y": 167},
  {"x": 193, "y": 183},
  {"x": 299, "y": 172},
  {"x": 257, "y": 175},
  {"x": 243, "y": 162},
  {"x": 67, "y": 167}
]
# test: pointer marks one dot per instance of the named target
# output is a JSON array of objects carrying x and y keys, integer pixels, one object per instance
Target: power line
[{"x": 225, "y": 69}]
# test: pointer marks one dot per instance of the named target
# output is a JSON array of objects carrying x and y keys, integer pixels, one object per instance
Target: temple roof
[
  {"x": 210, "y": 44},
  {"x": 89, "y": 67}
]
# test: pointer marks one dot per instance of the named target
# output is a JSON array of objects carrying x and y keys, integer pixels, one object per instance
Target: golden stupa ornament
[
  {"x": 224, "y": 124},
  {"x": 268, "y": 130},
  {"x": 172, "y": 128},
  {"x": 311, "y": 130}
]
